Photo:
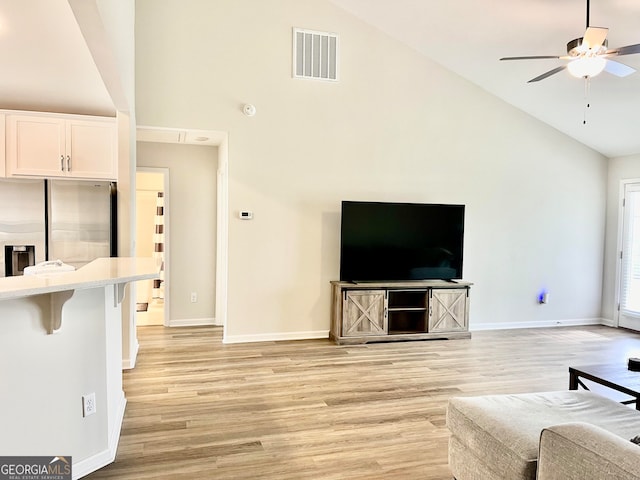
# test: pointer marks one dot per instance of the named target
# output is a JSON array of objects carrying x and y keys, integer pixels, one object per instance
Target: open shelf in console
[{"x": 407, "y": 311}]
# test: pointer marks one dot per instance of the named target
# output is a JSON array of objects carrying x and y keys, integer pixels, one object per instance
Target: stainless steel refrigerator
[
  {"x": 69, "y": 220},
  {"x": 22, "y": 211},
  {"x": 80, "y": 220}
]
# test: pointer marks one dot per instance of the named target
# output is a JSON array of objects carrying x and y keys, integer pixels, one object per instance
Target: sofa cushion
[
  {"x": 504, "y": 430},
  {"x": 581, "y": 451}
]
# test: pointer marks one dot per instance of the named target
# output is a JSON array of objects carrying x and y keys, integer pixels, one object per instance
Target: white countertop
[{"x": 98, "y": 273}]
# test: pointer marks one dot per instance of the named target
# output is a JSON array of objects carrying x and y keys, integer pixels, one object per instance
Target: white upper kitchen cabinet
[
  {"x": 91, "y": 148},
  {"x": 72, "y": 146}
]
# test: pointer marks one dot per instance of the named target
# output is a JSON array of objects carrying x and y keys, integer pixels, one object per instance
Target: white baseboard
[
  {"x": 192, "y": 322},
  {"x": 130, "y": 363},
  {"x": 104, "y": 458},
  {"x": 274, "y": 337},
  {"x": 539, "y": 324}
]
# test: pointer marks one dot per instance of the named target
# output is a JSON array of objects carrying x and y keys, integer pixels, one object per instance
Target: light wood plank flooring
[{"x": 199, "y": 409}]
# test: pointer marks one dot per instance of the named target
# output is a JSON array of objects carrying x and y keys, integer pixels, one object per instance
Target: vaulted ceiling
[
  {"x": 469, "y": 37},
  {"x": 47, "y": 66}
]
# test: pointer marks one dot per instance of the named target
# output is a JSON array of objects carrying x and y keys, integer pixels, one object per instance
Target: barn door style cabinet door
[
  {"x": 448, "y": 310},
  {"x": 387, "y": 311},
  {"x": 74, "y": 146},
  {"x": 365, "y": 313}
]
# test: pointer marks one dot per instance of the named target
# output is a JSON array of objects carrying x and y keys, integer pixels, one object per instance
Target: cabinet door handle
[
  {"x": 62, "y": 163},
  {"x": 68, "y": 163}
]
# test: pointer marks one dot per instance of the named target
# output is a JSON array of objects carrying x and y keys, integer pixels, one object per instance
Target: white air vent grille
[{"x": 315, "y": 55}]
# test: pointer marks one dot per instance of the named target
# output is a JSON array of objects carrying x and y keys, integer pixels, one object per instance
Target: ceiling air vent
[{"x": 315, "y": 55}]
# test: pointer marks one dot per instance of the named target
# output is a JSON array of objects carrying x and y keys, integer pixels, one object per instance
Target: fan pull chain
[{"x": 587, "y": 105}]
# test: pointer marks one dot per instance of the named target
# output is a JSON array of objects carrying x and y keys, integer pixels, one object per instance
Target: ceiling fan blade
[
  {"x": 534, "y": 57},
  {"x": 628, "y": 50},
  {"x": 547, "y": 74},
  {"x": 618, "y": 69},
  {"x": 594, "y": 37}
]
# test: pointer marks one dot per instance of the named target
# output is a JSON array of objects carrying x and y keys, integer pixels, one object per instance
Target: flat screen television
[{"x": 383, "y": 241}]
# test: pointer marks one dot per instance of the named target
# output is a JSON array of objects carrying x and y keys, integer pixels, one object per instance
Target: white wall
[
  {"x": 108, "y": 29},
  {"x": 45, "y": 376},
  {"x": 622, "y": 168},
  {"x": 118, "y": 21},
  {"x": 191, "y": 226},
  {"x": 396, "y": 127},
  {"x": 118, "y": 17}
]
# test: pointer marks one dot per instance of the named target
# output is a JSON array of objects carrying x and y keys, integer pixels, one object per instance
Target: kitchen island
[{"x": 61, "y": 346}]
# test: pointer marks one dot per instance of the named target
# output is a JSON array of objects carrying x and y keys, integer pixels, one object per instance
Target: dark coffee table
[{"x": 615, "y": 376}]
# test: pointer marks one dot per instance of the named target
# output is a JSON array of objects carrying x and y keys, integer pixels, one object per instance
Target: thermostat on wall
[{"x": 245, "y": 215}]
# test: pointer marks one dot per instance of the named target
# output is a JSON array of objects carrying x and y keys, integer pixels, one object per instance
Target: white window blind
[{"x": 630, "y": 285}]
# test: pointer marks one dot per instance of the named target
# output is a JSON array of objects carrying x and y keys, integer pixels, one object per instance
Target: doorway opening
[
  {"x": 152, "y": 240},
  {"x": 190, "y": 294}
]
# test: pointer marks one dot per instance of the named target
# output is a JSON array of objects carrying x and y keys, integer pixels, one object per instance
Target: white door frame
[
  {"x": 618, "y": 284},
  {"x": 222, "y": 234},
  {"x": 218, "y": 139},
  {"x": 167, "y": 240}
]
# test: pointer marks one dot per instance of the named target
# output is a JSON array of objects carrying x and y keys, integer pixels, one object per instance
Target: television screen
[{"x": 401, "y": 241}]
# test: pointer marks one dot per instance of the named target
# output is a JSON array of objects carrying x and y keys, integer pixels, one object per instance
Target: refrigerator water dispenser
[{"x": 17, "y": 258}]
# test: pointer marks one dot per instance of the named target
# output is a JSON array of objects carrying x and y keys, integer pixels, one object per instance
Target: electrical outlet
[
  {"x": 88, "y": 404},
  {"x": 194, "y": 297}
]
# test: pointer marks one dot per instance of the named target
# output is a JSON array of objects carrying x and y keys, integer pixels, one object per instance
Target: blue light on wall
[{"x": 543, "y": 297}]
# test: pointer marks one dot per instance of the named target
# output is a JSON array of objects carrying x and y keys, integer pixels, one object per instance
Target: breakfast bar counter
[
  {"x": 61, "y": 361},
  {"x": 98, "y": 273}
]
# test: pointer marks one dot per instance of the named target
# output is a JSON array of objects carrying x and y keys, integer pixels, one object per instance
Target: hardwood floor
[{"x": 198, "y": 409}]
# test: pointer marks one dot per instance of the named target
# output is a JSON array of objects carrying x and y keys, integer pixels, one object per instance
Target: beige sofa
[
  {"x": 582, "y": 451},
  {"x": 549, "y": 436}
]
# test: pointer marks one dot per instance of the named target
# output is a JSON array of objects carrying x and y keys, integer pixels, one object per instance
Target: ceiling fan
[{"x": 588, "y": 56}]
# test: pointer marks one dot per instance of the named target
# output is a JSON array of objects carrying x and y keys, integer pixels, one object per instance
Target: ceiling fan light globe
[{"x": 586, "y": 66}]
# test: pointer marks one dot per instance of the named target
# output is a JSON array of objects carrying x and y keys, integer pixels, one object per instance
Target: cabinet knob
[
  {"x": 68, "y": 163},
  {"x": 62, "y": 163}
]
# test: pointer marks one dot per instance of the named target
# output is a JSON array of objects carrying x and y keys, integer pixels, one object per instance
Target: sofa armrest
[{"x": 581, "y": 451}]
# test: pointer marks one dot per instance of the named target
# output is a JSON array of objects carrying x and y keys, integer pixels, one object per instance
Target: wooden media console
[{"x": 387, "y": 311}]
